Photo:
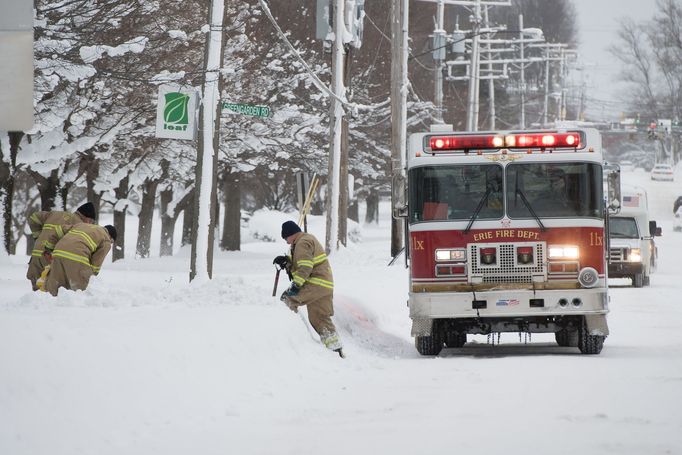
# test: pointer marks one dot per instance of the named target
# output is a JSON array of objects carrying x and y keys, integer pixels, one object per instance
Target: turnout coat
[
  {"x": 311, "y": 272},
  {"x": 77, "y": 256},
  {"x": 47, "y": 229}
]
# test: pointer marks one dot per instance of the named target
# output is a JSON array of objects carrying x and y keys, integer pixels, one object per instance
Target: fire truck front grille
[
  {"x": 506, "y": 268},
  {"x": 618, "y": 254}
]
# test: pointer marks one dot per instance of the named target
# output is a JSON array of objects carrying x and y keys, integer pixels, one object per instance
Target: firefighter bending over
[
  {"x": 312, "y": 284},
  {"x": 78, "y": 256},
  {"x": 49, "y": 227}
]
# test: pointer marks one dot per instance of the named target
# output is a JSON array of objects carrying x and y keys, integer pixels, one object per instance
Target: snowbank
[{"x": 265, "y": 225}]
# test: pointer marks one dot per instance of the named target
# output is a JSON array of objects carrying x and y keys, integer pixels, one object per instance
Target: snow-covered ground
[{"x": 145, "y": 363}]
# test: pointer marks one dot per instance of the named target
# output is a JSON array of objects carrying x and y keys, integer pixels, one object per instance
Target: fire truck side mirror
[
  {"x": 613, "y": 193},
  {"x": 398, "y": 195}
]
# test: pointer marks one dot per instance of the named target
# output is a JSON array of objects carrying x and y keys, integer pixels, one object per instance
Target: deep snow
[{"x": 144, "y": 363}]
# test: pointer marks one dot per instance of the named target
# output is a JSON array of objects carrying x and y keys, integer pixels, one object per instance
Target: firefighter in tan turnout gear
[
  {"x": 312, "y": 283},
  {"x": 78, "y": 256},
  {"x": 47, "y": 229}
]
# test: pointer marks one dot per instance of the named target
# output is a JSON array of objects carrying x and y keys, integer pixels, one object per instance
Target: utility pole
[
  {"x": 477, "y": 85},
  {"x": 583, "y": 89},
  {"x": 548, "y": 59},
  {"x": 472, "y": 110},
  {"x": 474, "y": 63},
  {"x": 565, "y": 54},
  {"x": 336, "y": 115},
  {"x": 203, "y": 225},
  {"x": 559, "y": 98},
  {"x": 439, "y": 43},
  {"x": 546, "y": 101},
  {"x": 399, "y": 49},
  {"x": 343, "y": 170},
  {"x": 491, "y": 80},
  {"x": 523, "y": 76}
]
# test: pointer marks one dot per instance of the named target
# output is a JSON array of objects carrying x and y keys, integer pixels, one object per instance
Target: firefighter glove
[
  {"x": 293, "y": 290},
  {"x": 281, "y": 261}
]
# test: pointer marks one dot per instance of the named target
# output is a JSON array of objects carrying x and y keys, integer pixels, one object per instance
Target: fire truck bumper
[{"x": 427, "y": 306}]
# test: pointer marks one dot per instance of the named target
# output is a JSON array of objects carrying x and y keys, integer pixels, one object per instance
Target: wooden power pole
[
  {"x": 399, "y": 32},
  {"x": 203, "y": 225}
]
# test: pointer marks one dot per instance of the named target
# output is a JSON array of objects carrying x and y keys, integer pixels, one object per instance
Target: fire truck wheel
[
  {"x": 455, "y": 339},
  {"x": 638, "y": 280},
  {"x": 567, "y": 338},
  {"x": 589, "y": 344},
  {"x": 428, "y": 345}
]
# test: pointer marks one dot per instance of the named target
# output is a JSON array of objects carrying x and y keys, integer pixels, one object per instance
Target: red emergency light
[{"x": 508, "y": 141}]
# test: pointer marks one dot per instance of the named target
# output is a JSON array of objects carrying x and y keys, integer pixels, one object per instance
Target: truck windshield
[
  {"x": 623, "y": 228},
  {"x": 554, "y": 190},
  {"x": 453, "y": 192}
]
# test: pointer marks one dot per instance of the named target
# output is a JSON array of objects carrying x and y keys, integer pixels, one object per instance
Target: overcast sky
[{"x": 598, "y": 25}]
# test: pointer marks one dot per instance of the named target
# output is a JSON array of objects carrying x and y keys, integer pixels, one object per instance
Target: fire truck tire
[
  {"x": 567, "y": 338},
  {"x": 428, "y": 345},
  {"x": 589, "y": 344},
  {"x": 638, "y": 280},
  {"x": 455, "y": 339}
]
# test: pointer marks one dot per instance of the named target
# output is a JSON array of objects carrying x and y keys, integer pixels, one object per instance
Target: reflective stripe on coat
[
  {"x": 309, "y": 264},
  {"x": 78, "y": 256}
]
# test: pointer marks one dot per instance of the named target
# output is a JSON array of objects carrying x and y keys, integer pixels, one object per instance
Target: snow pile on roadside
[{"x": 265, "y": 225}]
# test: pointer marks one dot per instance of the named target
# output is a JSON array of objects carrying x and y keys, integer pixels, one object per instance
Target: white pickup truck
[{"x": 632, "y": 250}]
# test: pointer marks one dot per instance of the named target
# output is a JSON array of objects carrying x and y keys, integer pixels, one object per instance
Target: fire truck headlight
[
  {"x": 488, "y": 256},
  {"x": 635, "y": 255},
  {"x": 563, "y": 252},
  {"x": 453, "y": 254},
  {"x": 524, "y": 255},
  {"x": 588, "y": 277}
]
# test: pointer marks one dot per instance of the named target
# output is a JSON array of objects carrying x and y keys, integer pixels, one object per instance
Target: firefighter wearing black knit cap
[
  {"x": 79, "y": 255},
  {"x": 312, "y": 282},
  {"x": 47, "y": 229}
]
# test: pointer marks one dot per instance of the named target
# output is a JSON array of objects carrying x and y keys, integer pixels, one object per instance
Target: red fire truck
[{"x": 506, "y": 233}]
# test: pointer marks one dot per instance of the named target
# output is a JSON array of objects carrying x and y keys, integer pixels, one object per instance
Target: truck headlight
[
  {"x": 563, "y": 252},
  {"x": 451, "y": 254},
  {"x": 635, "y": 255}
]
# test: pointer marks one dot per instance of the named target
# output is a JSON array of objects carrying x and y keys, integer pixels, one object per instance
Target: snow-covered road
[{"x": 143, "y": 363}]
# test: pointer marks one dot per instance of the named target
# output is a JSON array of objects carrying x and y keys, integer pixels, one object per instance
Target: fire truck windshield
[
  {"x": 554, "y": 190},
  {"x": 532, "y": 190},
  {"x": 452, "y": 192}
]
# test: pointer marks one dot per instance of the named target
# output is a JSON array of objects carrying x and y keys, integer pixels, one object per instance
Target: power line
[
  {"x": 316, "y": 81},
  {"x": 466, "y": 37}
]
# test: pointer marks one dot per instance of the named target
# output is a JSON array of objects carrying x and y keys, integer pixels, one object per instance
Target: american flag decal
[
  {"x": 507, "y": 302},
  {"x": 631, "y": 201}
]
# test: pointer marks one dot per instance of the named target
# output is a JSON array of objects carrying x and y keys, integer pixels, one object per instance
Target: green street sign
[{"x": 246, "y": 109}]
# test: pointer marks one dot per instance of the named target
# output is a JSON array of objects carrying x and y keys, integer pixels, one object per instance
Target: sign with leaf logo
[
  {"x": 175, "y": 113},
  {"x": 175, "y": 110}
]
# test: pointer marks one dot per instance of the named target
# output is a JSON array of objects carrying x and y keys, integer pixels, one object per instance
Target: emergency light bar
[{"x": 435, "y": 144}]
